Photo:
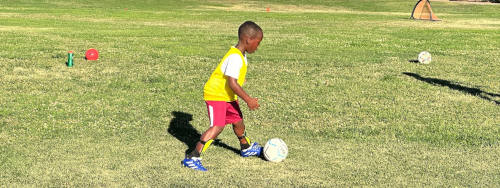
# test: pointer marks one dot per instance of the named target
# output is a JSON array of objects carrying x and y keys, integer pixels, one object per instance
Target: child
[{"x": 221, "y": 92}]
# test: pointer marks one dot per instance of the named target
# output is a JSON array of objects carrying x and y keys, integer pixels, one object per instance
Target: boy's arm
[{"x": 251, "y": 102}]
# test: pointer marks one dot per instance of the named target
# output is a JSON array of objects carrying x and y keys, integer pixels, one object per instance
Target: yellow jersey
[{"x": 217, "y": 88}]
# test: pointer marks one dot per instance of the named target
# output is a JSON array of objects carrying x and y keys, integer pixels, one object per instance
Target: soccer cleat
[
  {"x": 193, "y": 163},
  {"x": 254, "y": 150}
]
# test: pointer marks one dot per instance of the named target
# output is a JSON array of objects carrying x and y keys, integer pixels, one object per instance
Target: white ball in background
[{"x": 424, "y": 57}]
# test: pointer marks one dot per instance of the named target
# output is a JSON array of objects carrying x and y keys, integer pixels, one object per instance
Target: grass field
[{"x": 334, "y": 79}]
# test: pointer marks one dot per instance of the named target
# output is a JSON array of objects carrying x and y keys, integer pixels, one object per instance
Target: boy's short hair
[{"x": 249, "y": 28}]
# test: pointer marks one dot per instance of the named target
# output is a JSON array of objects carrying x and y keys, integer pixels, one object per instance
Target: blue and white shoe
[
  {"x": 194, "y": 163},
  {"x": 254, "y": 150}
]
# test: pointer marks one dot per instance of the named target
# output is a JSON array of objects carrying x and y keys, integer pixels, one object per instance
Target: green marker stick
[{"x": 70, "y": 58}]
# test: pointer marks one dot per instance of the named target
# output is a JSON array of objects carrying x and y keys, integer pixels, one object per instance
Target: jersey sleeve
[{"x": 231, "y": 67}]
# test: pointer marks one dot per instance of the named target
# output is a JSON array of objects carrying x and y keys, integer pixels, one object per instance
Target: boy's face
[{"x": 253, "y": 43}]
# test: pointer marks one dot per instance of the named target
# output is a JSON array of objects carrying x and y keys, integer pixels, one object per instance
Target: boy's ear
[{"x": 245, "y": 39}]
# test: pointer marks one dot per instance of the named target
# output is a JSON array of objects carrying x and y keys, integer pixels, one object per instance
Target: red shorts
[{"x": 221, "y": 113}]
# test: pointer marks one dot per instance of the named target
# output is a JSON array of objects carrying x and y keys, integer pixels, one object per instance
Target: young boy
[{"x": 221, "y": 92}]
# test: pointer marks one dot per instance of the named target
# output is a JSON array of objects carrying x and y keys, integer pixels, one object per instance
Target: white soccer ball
[
  {"x": 424, "y": 57},
  {"x": 275, "y": 150}
]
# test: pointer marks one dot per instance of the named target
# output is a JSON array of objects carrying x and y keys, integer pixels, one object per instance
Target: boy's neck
[{"x": 241, "y": 48}]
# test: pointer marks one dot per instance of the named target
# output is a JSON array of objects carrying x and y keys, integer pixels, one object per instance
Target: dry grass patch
[
  {"x": 468, "y": 2},
  {"x": 21, "y": 28},
  {"x": 261, "y": 7},
  {"x": 8, "y": 14},
  {"x": 484, "y": 23},
  {"x": 282, "y": 8}
]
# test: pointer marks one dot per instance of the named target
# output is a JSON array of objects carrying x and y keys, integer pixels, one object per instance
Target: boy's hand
[{"x": 253, "y": 103}]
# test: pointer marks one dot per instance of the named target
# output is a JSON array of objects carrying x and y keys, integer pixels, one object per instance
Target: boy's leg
[
  {"x": 193, "y": 160},
  {"x": 236, "y": 118},
  {"x": 205, "y": 140},
  {"x": 216, "y": 114},
  {"x": 247, "y": 148},
  {"x": 217, "y": 117},
  {"x": 239, "y": 131}
]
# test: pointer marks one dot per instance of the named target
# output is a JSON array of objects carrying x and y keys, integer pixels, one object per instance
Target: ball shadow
[
  {"x": 413, "y": 61},
  {"x": 446, "y": 83}
]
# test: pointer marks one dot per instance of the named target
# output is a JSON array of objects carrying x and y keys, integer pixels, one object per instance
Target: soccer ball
[
  {"x": 275, "y": 150},
  {"x": 424, "y": 57}
]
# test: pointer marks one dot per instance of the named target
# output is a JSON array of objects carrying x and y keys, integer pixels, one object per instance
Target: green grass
[{"x": 333, "y": 78}]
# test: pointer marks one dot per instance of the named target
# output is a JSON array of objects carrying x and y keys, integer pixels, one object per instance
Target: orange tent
[{"x": 423, "y": 11}]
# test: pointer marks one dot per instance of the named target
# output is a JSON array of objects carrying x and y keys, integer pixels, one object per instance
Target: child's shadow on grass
[{"x": 181, "y": 129}]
